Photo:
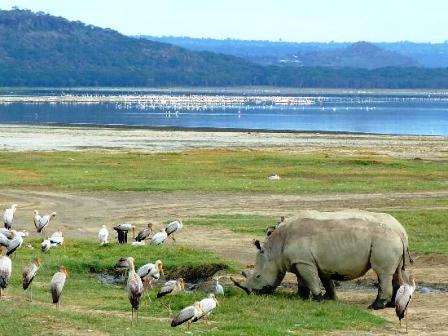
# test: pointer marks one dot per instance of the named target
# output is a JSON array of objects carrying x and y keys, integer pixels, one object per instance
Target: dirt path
[{"x": 82, "y": 213}]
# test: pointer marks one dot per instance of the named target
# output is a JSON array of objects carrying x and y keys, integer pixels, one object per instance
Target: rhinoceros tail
[
  {"x": 409, "y": 255},
  {"x": 405, "y": 248}
]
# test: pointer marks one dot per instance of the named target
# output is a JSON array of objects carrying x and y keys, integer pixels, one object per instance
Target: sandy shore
[{"x": 60, "y": 138}]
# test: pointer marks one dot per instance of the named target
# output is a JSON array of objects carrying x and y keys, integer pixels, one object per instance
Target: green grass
[
  {"x": 427, "y": 229},
  {"x": 239, "y": 223},
  {"x": 88, "y": 304},
  {"x": 219, "y": 170}
]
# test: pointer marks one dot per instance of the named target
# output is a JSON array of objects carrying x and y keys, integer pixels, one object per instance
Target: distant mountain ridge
[
  {"x": 430, "y": 55},
  {"x": 358, "y": 55},
  {"x": 37, "y": 49}
]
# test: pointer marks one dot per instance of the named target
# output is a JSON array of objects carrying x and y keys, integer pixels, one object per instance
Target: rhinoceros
[{"x": 319, "y": 247}]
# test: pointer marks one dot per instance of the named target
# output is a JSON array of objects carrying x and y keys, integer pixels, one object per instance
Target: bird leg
[{"x": 172, "y": 237}]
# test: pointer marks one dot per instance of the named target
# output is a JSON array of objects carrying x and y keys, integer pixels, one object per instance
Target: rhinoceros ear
[{"x": 257, "y": 244}]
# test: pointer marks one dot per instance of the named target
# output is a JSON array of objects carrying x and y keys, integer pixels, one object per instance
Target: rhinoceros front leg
[
  {"x": 330, "y": 292},
  {"x": 309, "y": 274},
  {"x": 302, "y": 290}
]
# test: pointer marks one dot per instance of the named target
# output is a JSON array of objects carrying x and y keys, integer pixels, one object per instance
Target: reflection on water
[{"x": 376, "y": 114}]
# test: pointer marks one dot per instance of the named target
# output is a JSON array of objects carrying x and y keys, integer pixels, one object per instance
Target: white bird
[
  {"x": 208, "y": 305},
  {"x": 37, "y": 218},
  {"x": 189, "y": 314},
  {"x": 57, "y": 285},
  {"x": 8, "y": 216},
  {"x": 218, "y": 289},
  {"x": 28, "y": 274},
  {"x": 159, "y": 238},
  {"x": 103, "y": 235},
  {"x": 134, "y": 286},
  {"x": 5, "y": 269},
  {"x": 7, "y": 233},
  {"x": 274, "y": 177},
  {"x": 403, "y": 299},
  {"x": 173, "y": 227},
  {"x": 41, "y": 226}
]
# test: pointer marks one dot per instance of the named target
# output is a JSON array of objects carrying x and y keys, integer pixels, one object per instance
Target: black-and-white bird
[
  {"x": 151, "y": 270},
  {"x": 5, "y": 269},
  {"x": 41, "y": 222},
  {"x": 122, "y": 231},
  {"x": 16, "y": 242},
  {"x": 57, "y": 238},
  {"x": 189, "y": 314},
  {"x": 8, "y": 216},
  {"x": 173, "y": 227},
  {"x": 57, "y": 285},
  {"x": 171, "y": 287},
  {"x": 403, "y": 299},
  {"x": 144, "y": 234},
  {"x": 28, "y": 274}
]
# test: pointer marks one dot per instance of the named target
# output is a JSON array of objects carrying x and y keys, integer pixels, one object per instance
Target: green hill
[{"x": 37, "y": 49}]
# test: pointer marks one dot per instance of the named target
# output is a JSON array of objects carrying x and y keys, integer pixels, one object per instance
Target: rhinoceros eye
[{"x": 258, "y": 276}]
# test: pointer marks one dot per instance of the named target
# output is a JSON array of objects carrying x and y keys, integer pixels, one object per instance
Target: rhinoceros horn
[{"x": 236, "y": 283}]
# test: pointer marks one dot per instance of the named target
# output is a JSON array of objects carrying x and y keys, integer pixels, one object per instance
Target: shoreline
[{"x": 24, "y": 138}]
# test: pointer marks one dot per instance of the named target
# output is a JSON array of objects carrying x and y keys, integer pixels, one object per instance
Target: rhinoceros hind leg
[
  {"x": 330, "y": 293},
  {"x": 378, "y": 304},
  {"x": 384, "y": 292}
]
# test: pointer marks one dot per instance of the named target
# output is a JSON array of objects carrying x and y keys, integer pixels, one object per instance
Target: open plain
[{"x": 151, "y": 175}]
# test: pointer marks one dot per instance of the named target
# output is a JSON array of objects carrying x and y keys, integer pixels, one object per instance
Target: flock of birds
[{"x": 138, "y": 281}]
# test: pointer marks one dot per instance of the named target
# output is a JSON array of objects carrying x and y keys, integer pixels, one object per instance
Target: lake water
[{"x": 382, "y": 114}]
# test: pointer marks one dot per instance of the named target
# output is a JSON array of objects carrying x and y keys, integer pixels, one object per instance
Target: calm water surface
[{"x": 376, "y": 114}]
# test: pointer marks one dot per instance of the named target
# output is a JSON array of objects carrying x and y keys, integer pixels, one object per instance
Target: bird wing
[
  {"x": 167, "y": 288},
  {"x": 158, "y": 238},
  {"x": 142, "y": 235},
  {"x": 184, "y": 315},
  {"x": 144, "y": 270},
  {"x": 5, "y": 271},
  {"x": 13, "y": 245},
  {"x": 172, "y": 227},
  {"x": 4, "y": 240},
  {"x": 37, "y": 219},
  {"x": 208, "y": 305},
  {"x": 28, "y": 275},
  {"x": 402, "y": 299},
  {"x": 8, "y": 215},
  {"x": 57, "y": 285}
]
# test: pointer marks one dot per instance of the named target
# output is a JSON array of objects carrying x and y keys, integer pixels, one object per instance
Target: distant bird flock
[{"x": 139, "y": 280}]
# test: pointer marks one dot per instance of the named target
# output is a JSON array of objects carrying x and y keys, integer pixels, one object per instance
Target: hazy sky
[{"x": 290, "y": 20}]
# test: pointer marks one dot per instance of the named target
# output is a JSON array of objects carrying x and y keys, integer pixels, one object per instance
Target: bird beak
[{"x": 161, "y": 270}]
